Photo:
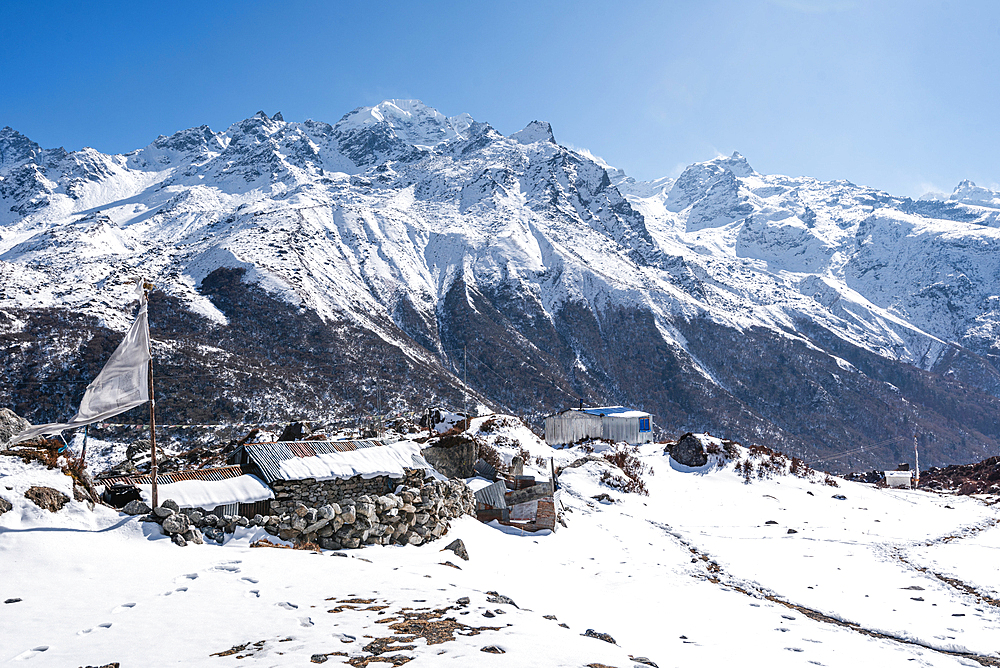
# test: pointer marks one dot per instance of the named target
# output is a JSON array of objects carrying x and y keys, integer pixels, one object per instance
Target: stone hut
[{"x": 344, "y": 494}]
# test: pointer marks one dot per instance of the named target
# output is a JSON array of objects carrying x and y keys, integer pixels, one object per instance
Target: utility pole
[{"x": 916, "y": 458}]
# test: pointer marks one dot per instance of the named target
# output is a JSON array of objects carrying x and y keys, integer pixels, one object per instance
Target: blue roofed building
[{"x": 612, "y": 423}]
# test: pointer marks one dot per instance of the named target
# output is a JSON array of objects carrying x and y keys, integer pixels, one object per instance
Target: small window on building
[{"x": 644, "y": 424}]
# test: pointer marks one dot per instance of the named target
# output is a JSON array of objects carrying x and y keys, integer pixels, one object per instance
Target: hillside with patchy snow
[{"x": 313, "y": 270}]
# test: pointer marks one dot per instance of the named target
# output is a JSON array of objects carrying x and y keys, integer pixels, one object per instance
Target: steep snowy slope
[{"x": 388, "y": 244}]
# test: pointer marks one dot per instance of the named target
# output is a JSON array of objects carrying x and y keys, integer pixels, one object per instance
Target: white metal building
[{"x": 613, "y": 423}]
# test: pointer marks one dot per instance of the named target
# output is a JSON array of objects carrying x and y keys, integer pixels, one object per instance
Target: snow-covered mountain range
[{"x": 299, "y": 265}]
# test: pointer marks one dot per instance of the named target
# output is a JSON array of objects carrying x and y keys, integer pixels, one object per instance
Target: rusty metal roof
[
  {"x": 217, "y": 473},
  {"x": 268, "y": 456}
]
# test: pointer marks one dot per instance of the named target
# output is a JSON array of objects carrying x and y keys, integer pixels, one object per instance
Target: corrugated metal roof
[
  {"x": 217, "y": 473},
  {"x": 484, "y": 469},
  {"x": 268, "y": 456},
  {"x": 493, "y": 495}
]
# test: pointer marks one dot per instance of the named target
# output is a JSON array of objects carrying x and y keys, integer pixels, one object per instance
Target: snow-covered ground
[{"x": 692, "y": 574}]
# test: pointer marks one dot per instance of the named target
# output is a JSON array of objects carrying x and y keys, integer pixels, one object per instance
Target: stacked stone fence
[{"x": 288, "y": 494}]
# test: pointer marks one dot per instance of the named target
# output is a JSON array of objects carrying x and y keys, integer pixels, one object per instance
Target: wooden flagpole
[{"x": 152, "y": 419}]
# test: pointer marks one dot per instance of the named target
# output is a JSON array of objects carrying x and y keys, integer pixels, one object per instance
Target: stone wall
[
  {"x": 288, "y": 494},
  {"x": 410, "y": 515}
]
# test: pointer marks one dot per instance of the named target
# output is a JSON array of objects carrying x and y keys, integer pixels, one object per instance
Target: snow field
[{"x": 690, "y": 575}]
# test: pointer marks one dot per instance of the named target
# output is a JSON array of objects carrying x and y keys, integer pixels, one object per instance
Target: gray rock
[
  {"x": 11, "y": 424},
  {"x": 644, "y": 661},
  {"x": 591, "y": 633},
  {"x": 176, "y": 524},
  {"x": 171, "y": 504},
  {"x": 242, "y": 521},
  {"x": 192, "y": 535},
  {"x": 5, "y": 505},
  {"x": 178, "y": 540},
  {"x": 135, "y": 507},
  {"x": 316, "y": 526},
  {"x": 689, "y": 451},
  {"x": 494, "y": 597},
  {"x": 163, "y": 512},
  {"x": 458, "y": 547}
]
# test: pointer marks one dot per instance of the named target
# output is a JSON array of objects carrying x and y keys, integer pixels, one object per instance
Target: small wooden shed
[{"x": 612, "y": 423}]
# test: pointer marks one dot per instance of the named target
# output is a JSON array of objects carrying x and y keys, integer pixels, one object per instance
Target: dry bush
[
  {"x": 523, "y": 453},
  {"x": 307, "y": 545},
  {"x": 633, "y": 469},
  {"x": 831, "y": 481},
  {"x": 489, "y": 426},
  {"x": 264, "y": 542}
]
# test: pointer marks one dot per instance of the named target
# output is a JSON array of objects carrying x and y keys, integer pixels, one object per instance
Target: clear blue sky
[{"x": 903, "y": 96}]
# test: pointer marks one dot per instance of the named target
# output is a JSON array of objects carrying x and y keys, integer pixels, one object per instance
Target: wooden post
[
  {"x": 552, "y": 472},
  {"x": 152, "y": 437},
  {"x": 152, "y": 418}
]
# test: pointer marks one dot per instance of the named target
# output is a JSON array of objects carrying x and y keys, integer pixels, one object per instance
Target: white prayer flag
[{"x": 122, "y": 384}]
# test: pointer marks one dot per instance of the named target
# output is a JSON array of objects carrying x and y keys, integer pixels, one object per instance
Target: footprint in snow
[
  {"x": 179, "y": 589},
  {"x": 287, "y": 606},
  {"x": 184, "y": 578},
  {"x": 250, "y": 580},
  {"x": 122, "y": 608},
  {"x": 306, "y": 622},
  {"x": 253, "y": 593},
  {"x": 227, "y": 566},
  {"x": 84, "y": 632},
  {"x": 31, "y": 653}
]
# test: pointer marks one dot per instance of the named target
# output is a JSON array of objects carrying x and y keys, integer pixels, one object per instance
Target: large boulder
[
  {"x": 689, "y": 451},
  {"x": 11, "y": 424}
]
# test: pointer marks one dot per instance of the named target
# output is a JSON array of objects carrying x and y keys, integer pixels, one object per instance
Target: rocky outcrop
[
  {"x": 10, "y": 425},
  {"x": 453, "y": 455},
  {"x": 47, "y": 498}
]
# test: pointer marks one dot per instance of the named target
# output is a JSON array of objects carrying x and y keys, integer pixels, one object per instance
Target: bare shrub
[{"x": 630, "y": 465}]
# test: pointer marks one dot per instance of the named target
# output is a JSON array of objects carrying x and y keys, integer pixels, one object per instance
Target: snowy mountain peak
[
  {"x": 968, "y": 192},
  {"x": 412, "y": 121},
  {"x": 15, "y": 147},
  {"x": 535, "y": 131},
  {"x": 737, "y": 164}
]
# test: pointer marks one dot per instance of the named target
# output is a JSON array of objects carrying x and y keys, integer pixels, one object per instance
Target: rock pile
[
  {"x": 409, "y": 516},
  {"x": 191, "y": 525}
]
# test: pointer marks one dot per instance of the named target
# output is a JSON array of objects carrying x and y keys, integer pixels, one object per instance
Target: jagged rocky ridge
[{"x": 299, "y": 265}]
